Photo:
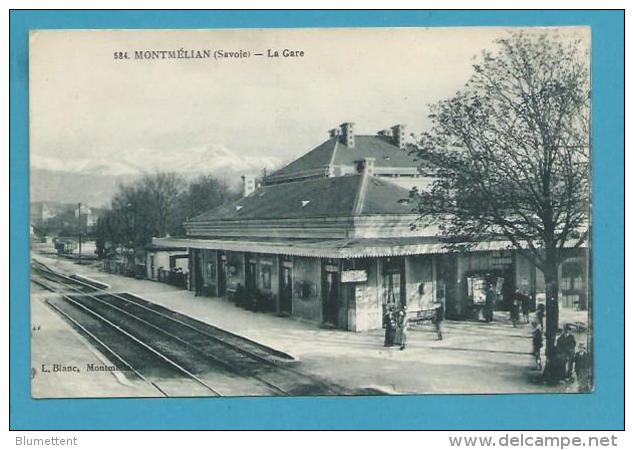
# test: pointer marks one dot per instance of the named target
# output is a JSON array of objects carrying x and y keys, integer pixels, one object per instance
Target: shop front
[{"x": 464, "y": 279}]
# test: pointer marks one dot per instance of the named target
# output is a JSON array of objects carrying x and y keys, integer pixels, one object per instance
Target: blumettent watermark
[{"x": 23, "y": 441}]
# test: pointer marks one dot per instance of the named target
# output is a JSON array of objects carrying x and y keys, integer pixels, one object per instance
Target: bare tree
[
  {"x": 160, "y": 192},
  {"x": 142, "y": 210},
  {"x": 509, "y": 155},
  {"x": 155, "y": 206},
  {"x": 202, "y": 194}
]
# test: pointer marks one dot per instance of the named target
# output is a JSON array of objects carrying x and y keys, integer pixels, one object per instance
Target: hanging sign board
[
  {"x": 502, "y": 261},
  {"x": 354, "y": 276}
]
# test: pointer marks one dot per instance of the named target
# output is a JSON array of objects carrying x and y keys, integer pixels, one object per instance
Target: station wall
[
  {"x": 419, "y": 282},
  {"x": 307, "y": 295},
  {"x": 268, "y": 283},
  {"x": 366, "y": 311}
]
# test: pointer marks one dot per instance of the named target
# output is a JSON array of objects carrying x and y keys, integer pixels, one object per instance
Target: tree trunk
[{"x": 551, "y": 278}]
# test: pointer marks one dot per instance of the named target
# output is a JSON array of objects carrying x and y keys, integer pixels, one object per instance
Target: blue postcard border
[{"x": 601, "y": 410}]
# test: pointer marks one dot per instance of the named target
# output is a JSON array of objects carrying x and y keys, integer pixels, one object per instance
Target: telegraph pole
[{"x": 79, "y": 228}]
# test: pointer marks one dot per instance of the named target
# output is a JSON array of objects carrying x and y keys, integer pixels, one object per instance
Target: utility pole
[{"x": 79, "y": 228}]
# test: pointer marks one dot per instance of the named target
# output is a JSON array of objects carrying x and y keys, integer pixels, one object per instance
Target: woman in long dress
[
  {"x": 390, "y": 326},
  {"x": 401, "y": 323}
]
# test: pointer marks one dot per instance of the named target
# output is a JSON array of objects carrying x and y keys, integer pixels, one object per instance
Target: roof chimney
[
  {"x": 334, "y": 132},
  {"x": 347, "y": 134},
  {"x": 368, "y": 166},
  {"x": 398, "y": 135},
  {"x": 248, "y": 185}
]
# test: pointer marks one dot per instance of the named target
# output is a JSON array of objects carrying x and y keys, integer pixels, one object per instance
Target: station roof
[
  {"x": 334, "y": 152},
  {"x": 337, "y": 248},
  {"x": 345, "y": 196},
  {"x": 161, "y": 248},
  {"x": 330, "y": 248}
]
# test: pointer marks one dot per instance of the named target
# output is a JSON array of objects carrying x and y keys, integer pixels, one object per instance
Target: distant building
[
  {"x": 89, "y": 217},
  {"x": 61, "y": 217},
  {"x": 328, "y": 238},
  {"x": 42, "y": 212}
]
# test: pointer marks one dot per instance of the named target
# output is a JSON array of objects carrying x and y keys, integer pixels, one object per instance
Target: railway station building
[{"x": 329, "y": 239}]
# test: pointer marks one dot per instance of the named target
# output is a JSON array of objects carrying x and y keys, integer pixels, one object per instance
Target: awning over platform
[{"x": 329, "y": 248}]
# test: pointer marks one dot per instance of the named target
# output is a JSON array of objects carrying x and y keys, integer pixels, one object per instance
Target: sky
[{"x": 92, "y": 112}]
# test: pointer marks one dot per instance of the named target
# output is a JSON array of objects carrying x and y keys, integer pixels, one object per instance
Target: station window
[
  {"x": 304, "y": 289},
  {"x": 211, "y": 271},
  {"x": 571, "y": 275},
  {"x": 266, "y": 277}
]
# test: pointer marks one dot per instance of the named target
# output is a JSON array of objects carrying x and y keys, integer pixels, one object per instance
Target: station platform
[
  {"x": 65, "y": 365},
  {"x": 472, "y": 358}
]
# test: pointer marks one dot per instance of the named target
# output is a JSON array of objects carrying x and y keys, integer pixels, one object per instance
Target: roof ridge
[
  {"x": 315, "y": 150},
  {"x": 332, "y": 157},
  {"x": 359, "y": 199}
]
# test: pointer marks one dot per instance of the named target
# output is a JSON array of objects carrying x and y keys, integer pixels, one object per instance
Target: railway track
[
  {"x": 176, "y": 354},
  {"x": 41, "y": 271},
  {"x": 131, "y": 356},
  {"x": 241, "y": 357}
]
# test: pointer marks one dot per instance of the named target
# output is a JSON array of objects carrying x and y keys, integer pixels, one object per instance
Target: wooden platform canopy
[{"x": 328, "y": 248}]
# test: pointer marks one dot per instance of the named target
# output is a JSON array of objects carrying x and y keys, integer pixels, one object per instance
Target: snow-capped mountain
[
  {"x": 94, "y": 180},
  {"x": 204, "y": 159}
]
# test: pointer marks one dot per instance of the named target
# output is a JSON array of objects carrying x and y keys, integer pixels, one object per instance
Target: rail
[{"x": 230, "y": 364}]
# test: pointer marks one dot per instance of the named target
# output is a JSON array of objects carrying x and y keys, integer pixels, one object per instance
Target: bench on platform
[{"x": 421, "y": 316}]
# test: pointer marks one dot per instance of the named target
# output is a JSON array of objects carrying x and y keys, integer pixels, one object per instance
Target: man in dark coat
[
  {"x": 556, "y": 366},
  {"x": 583, "y": 367},
  {"x": 390, "y": 326},
  {"x": 566, "y": 346},
  {"x": 439, "y": 316},
  {"x": 488, "y": 304},
  {"x": 525, "y": 303},
  {"x": 198, "y": 279},
  {"x": 541, "y": 313},
  {"x": 538, "y": 343},
  {"x": 515, "y": 310}
]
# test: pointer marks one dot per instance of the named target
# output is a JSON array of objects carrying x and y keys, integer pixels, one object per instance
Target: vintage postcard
[{"x": 310, "y": 212}]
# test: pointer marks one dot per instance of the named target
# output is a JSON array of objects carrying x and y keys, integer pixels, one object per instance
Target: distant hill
[
  {"x": 94, "y": 181},
  {"x": 67, "y": 187}
]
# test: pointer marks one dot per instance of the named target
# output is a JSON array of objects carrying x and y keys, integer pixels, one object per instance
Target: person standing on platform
[
  {"x": 540, "y": 314},
  {"x": 488, "y": 304},
  {"x": 515, "y": 310},
  {"x": 522, "y": 301},
  {"x": 198, "y": 279},
  {"x": 390, "y": 325},
  {"x": 582, "y": 369},
  {"x": 538, "y": 343},
  {"x": 566, "y": 344},
  {"x": 525, "y": 302},
  {"x": 401, "y": 323},
  {"x": 439, "y": 316},
  {"x": 556, "y": 367}
]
